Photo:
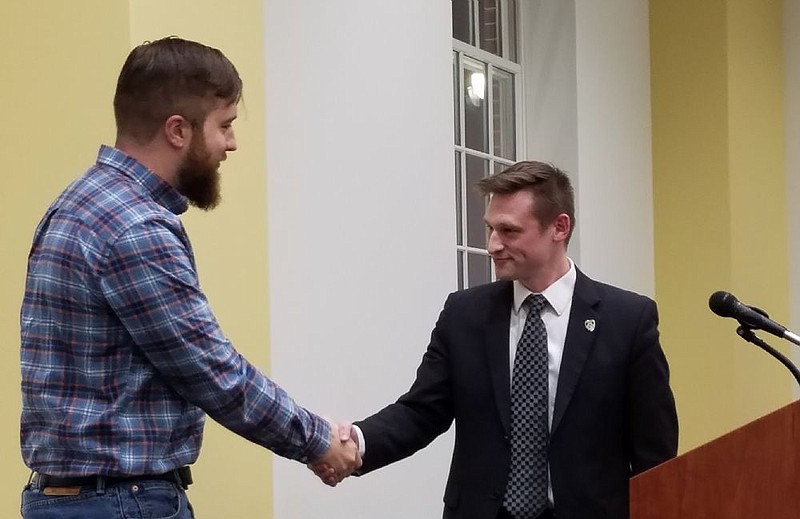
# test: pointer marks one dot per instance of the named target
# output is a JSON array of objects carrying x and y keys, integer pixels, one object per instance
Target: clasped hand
[{"x": 341, "y": 458}]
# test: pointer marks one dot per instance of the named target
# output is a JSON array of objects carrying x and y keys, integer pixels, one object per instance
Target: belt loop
[
  {"x": 32, "y": 484},
  {"x": 101, "y": 485},
  {"x": 176, "y": 473}
]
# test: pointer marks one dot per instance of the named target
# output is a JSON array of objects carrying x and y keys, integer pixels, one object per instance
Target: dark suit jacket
[{"x": 614, "y": 411}]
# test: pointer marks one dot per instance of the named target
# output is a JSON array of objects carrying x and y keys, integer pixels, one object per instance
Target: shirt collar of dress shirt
[
  {"x": 163, "y": 193},
  {"x": 559, "y": 294}
]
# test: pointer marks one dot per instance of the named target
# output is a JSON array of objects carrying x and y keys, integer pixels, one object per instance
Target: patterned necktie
[{"x": 526, "y": 493}]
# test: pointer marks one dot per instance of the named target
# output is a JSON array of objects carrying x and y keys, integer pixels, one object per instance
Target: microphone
[{"x": 725, "y": 304}]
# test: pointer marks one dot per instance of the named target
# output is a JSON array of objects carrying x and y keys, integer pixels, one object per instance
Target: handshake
[{"x": 341, "y": 458}]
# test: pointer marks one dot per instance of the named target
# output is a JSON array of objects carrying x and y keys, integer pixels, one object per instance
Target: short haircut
[
  {"x": 171, "y": 76},
  {"x": 551, "y": 188}
]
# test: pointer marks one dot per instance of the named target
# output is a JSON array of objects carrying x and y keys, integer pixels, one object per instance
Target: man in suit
[{"x": 558, "y": 438}]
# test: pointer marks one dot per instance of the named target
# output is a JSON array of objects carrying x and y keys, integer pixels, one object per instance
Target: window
[{"x": 486, "y": 93}]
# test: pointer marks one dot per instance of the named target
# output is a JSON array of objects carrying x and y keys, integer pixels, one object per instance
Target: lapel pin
[{"x": 589, "y": 324}]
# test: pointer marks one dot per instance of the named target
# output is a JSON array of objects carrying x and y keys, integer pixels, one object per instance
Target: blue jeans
[{"x": 148, "y": 499}]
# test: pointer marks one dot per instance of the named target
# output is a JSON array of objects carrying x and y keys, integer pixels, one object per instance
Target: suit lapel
[
  {"x": 496, "y": 344},
  {"x": 583, "y": 319}
]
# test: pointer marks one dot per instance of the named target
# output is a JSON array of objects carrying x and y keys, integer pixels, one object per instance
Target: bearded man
[{"x": 121, "y": 356}]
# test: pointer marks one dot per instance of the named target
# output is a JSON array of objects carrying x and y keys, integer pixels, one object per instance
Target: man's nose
[{"x": 493, "y": 243}]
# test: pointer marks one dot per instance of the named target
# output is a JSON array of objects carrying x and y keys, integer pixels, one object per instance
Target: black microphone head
[{"x": 723, "y": 304}]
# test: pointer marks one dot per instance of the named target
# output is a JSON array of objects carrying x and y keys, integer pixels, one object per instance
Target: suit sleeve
[
  {"x": 419, "y": 416},
  {"x": 652, "y": 418}
]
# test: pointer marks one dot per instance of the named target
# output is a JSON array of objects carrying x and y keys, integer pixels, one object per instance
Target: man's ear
[
  {"x": 178, "y": 131},
  {"x": 562, "y": 227}
]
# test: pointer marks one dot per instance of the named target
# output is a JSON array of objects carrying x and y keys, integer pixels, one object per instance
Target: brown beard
[{"x": 198, "y": 176}]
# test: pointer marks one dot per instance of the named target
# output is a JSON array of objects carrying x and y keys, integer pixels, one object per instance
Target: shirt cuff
[
  {"x": 319, "y": 442},
  {"x": 362, "y": 446}
]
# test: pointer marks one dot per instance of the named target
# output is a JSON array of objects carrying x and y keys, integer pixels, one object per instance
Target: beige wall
[
  {"x": 57, "y": 85},
  {"x": 720, "y": 211},
  {"x": 59, "y": 68}
]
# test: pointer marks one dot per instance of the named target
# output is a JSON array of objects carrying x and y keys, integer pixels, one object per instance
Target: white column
[
  {"x": 362, "y": 226},
  {"x": 614, "y": 141},
  {"x": 587, "y": 107}
]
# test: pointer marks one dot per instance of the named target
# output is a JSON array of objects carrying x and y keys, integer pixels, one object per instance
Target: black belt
[{"x": 181, "y": 476}]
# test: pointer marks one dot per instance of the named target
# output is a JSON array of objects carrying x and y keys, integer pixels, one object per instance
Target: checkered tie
[{"x": 526, "y": 493}]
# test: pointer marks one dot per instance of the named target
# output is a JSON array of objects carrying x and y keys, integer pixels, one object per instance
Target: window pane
[
  {"x": 476, "y": 119},
  {"x": 479, "y": 269},
  {"x": 477, "y": 168},
  {"x": 489, "y": 26},
  {"x": 511, "y": 29},
  {"x": 456, "y": 101},
  {"x": 459, "y": 208},
  {"x": 499, "y": 167},
  {"x": 503, "y": 114},
  {"x": 462, "y": 21}
]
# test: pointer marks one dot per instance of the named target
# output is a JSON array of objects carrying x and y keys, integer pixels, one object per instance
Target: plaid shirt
[{"x": 121, "y": 355}]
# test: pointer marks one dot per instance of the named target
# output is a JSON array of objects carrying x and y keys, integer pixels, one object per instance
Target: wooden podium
[{"x": 753, "y": 471}]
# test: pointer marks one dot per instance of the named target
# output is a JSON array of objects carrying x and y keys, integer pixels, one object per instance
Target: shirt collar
[
  {"x": 163, "y": 193},
  {"x": 558, "y": 295}
]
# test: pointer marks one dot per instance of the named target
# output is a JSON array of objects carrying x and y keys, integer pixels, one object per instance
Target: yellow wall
[
  {"x": 57, "y": 84},
  {"x": 720, "y": 211},
  {"x": 59, "y": 64}
]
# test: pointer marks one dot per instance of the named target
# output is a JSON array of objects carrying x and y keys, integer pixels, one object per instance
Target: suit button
[
  {"x": 497, "y": 495},
  {"x": 507, "y": 439}
]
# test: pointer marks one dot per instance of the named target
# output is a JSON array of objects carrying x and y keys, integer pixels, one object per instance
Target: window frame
[{"x": 492, "y": 61}]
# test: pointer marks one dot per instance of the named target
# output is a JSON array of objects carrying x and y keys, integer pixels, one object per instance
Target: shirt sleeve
[{"x": 151, "y": 283}]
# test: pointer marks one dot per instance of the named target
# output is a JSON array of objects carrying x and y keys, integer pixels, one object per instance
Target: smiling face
[
  {"x": 521, "y": 247},
  {"x": 198, "y": 175}
]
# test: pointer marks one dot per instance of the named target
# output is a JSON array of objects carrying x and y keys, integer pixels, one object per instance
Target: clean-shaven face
[{"x": 517, "y": 242}]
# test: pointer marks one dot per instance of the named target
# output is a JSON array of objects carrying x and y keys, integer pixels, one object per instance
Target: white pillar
[{"x": 361, "y": 226}]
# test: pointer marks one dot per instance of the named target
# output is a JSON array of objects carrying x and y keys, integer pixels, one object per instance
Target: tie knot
[{"x": 535, "y": 304}]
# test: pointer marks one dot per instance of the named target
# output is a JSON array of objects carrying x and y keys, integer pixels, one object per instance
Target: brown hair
[
  {"x": 551, "y": 189},
  {"x": 171, "y": 76}
]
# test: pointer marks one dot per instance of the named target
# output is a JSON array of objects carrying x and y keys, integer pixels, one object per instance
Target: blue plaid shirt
[{"x": 121, "y": 355}]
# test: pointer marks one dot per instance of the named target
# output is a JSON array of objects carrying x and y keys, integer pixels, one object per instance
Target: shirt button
[{"x": 135, "y": 488}]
